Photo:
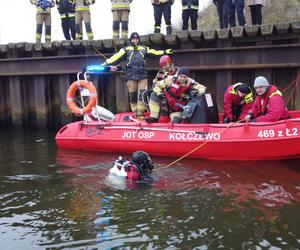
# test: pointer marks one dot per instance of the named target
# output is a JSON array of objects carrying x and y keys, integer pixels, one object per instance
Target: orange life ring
[{"x": 71, "y": 97}]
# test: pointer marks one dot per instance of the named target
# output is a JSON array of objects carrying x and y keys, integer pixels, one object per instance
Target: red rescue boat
[
  {"x": 203, "y": 137},
  {"x": 238, "y": 141}
]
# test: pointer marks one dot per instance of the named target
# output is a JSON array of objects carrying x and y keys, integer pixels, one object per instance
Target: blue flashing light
[{"x": 97, "y": 68}]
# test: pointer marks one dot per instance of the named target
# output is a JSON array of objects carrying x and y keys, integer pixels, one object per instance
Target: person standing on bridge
[
  {"x": 82, "y": 13},
  {"x": 222, "y": 8},
  {"x": 190, "y": 11},
  {"x": 238, "y": 100},
  {"x": 162, "y": 7},
  {"x": 120, "y": 10},
  {"x": 66, "y": 9},
  {"x": 136, "y": 72},
  {"x": 238, "y": 7},
  {"x": 255, "y": 9},
  {"x": 269, "y": 106},
  {"x": 43, "y": 16}
]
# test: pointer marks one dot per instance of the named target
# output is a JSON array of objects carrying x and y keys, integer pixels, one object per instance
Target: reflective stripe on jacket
[
  {"x": 231, "y": 99},
  {"x": 190, "y": 4},
  {"x": 120, "y": 4},
  {"x": 269, "y": 107},
  {"x": 135, "y": 60}
]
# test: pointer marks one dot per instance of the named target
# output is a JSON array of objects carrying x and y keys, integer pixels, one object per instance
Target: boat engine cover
[{"x": 201, "y": 109}]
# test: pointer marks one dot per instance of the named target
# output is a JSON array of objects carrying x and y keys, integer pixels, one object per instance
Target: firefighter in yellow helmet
[
  {"x": 82, "y": 13},
  {"x": 136, "y": 72},
  {"x": 43, "y": 15},
  {"x": 120, "y": 10}
]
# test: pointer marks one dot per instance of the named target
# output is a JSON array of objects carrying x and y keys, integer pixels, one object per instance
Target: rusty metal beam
[{"x": 250, "y": 57}]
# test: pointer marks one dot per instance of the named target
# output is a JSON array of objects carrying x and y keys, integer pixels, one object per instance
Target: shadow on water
[{"x": 62, "y": 199}]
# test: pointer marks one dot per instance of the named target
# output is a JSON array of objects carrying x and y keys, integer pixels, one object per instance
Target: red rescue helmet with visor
[{"x": 164, "y": 60}]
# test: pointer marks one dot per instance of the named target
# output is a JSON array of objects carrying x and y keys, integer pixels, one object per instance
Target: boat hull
[{"x": 254, "y": 141}]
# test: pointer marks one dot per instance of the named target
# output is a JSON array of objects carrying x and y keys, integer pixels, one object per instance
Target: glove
[
  {"x": 226, "y": 120},
  {"x": 160, "y": 95},
  {"x": 168, "y": 52}
]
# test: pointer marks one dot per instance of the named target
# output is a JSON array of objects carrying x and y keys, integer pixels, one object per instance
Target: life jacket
[
  {"x": 177, "y": 94},
  {"x": 246, "y": 99},
  {"x": 262, "y": 105}
]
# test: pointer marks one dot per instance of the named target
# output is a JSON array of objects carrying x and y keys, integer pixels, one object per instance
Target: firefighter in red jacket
[
  {"x": 269, "y": 105},
  {"x": 238, "y": 100},
  {"x": 176, "y": 91}
]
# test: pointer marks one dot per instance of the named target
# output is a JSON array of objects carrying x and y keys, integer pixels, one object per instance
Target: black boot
[
  {"x": 176, "y": 120},
  {"x": 156, "y": 30},
  {"x": 169, "y": 30},
  {"x": 151, "y": 119}
]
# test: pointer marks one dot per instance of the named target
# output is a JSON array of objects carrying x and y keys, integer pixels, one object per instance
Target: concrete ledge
[
  {"x": 108, "y": 44},
  {"x": 37, "y": 47},
  {"x": 67, "y": 44},
  {"x": 210, "y": 35},
  {"x": 267, "y": 29},
  {"x": 28, "y": 47},
  {"x": 224, "y": 34},
  {"x": 3, "y": 48},
  {"x": 171, "y": 40},
  {"x": 237, "y": 32},
  {"x": 157, "y": 38},
  {"x": 77, "y": 44},
  {"x": 183, "y": 36},
  {"x": 282, "y": 28},
  {"x": 144, "y": 40},
  {"x": 252, "y": 31},
  {"x": 296, "y": 26},
  {"x": 196, "y": 35}
]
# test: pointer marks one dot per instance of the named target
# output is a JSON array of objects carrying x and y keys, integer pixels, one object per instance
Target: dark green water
[{"x": 53, "y": 199}]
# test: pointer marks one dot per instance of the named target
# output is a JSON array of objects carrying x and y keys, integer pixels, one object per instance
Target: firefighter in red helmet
[{"x": 167, "y": 69}]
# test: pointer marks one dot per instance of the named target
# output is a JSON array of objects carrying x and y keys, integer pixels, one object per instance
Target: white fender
[{"x": 102, "y": 113}]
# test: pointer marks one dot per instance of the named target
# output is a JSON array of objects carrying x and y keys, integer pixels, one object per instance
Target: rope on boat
[
  {"x": 295, "y": 83},
  {"x": 201, "y": 145}
]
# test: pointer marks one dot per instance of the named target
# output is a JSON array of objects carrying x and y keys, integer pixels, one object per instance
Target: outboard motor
[{"x": 201, "y": 109}]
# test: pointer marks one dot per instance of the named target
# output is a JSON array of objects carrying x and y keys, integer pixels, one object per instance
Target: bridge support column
[{"x": 121, "y": 93}]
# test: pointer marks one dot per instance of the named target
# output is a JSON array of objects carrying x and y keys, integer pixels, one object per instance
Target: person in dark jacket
[
  {"x": 136, "y": 72},
  {"x": 222, "y": 8},
  {"x": 238, "y": 7},
  {"x": 269, "y": 106},
  {"x": 238, "y": 101},
  {"x": 66, "y": 9},
  {"x": 162, "y": 7},
  {"x": 190, "y": 11}
]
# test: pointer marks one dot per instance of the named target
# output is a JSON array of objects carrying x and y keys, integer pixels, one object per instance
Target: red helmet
[{"x": 164, "y": 60}]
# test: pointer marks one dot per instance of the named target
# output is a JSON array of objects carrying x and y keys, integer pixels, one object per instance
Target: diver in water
[{"x": 138, "y": 168}]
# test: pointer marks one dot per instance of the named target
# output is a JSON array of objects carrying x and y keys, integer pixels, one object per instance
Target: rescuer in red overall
[
  {"x": 269, "y": 106},
  {"x": 175, "y": 91},
  {"x": 238, "y": 100}
]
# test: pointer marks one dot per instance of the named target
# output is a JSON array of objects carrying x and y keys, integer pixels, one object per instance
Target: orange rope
[
  {"x": 293, "y": 82},
  {"x": 201, "y": 145}
]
